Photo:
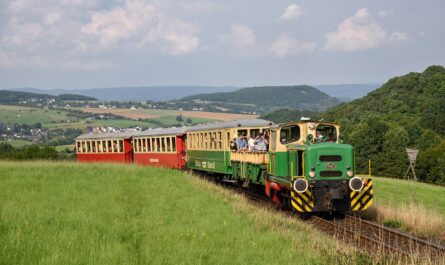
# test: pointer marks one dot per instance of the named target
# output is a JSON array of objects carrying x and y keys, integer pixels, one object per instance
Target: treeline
[
  {"x": 266, "y": 99},
  {"x": 15, "y": 97},
  {"x": 31, "y": 152},
  {"x": 407, "y": 111},
  {"x": 288, "y": 115}
]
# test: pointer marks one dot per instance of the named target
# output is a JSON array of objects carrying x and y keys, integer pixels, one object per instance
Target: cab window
[
  {"x": 289, "y": 134},
  {"x": 326, "y": 133}
]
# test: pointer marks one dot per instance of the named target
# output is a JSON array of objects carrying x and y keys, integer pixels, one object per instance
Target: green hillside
[
  {"x": 407, "y": 111},
  {"x": 71, "y": 213},
  {"x": 15, "y": 97},
  {"x": 266, "y": 99}
]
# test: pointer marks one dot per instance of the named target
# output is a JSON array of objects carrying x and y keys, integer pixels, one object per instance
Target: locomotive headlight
[
  {"x": 356, "y": 184},
  {"x": 300, "y": 185},
  {"x": 350, "y": 173},
  {"x": 312, "y": 174}
]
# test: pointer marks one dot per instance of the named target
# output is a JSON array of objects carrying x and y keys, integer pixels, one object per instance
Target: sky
[{"x": 111, "y": 43}]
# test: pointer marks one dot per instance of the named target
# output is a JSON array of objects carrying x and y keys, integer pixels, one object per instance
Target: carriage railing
[{"x": 254, "y": 157}]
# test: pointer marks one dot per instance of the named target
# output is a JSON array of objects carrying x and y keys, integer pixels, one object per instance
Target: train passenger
[
  {"x": 241, "y": 143},
  {"x": 261, "y": 144},
  {"x": 266, "y": 138},
  {"x": 320, "y": 137},
  {"x": 233, "y": 145},
  {"x": 250, "y": 143}
]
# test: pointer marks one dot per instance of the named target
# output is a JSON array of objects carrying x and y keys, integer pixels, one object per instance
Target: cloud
[
  {"x": 292, "y": 12},
  {"x": 398, "y": 36},
  {"x": 287, "y": 46},
  {"x": 140, "y": 21},
  {"x": 67, "y": 33},
  {"x": 359, "y": 32},
  {"x": 240, "y": 35},
  {"x": 386, "y": 12}
]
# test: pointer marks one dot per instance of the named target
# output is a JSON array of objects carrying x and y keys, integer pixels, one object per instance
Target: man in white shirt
[{"x": 250, "y": 143}]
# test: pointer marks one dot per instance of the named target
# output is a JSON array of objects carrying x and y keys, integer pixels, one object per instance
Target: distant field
[
  {"x": 58, "y": 119},
  {"x": 19, "y": 143},
  {"x": 70, "y": 213},
  {"x": 26, "y": 115},
  {"x": 197, "y": 116}
]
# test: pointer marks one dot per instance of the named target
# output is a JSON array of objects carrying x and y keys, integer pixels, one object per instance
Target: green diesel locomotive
[{"x": 306, "y": 167}]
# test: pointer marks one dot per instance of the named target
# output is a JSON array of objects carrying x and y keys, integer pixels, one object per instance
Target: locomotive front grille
[{"x": 334, "y": 173}]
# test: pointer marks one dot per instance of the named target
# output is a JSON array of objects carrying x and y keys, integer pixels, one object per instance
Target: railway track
[
  {"x": 366, "y": 235},
  {"x": 377, "y": 238}
]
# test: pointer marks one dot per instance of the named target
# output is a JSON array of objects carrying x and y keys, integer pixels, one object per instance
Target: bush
[{"x": 31, "y": 152}]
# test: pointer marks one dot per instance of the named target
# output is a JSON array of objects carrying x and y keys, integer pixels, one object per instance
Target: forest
[{"x": 406, "y": 112}]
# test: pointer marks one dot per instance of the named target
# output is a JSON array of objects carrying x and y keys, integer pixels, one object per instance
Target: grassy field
[
  {"x": 70, "y": 213},
  {"x": 19, "y": 143},
  {"x": 53, "y": 119},
  {"x": 412, "y": 206},
  {"x": 26, "y": 115},
  {"x": 396, "y": 192}
]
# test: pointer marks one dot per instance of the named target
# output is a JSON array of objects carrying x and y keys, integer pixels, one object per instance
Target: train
[{"x": 306, "y": 168}]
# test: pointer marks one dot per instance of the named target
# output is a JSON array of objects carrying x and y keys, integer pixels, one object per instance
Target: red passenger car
[
  {"x": 105, "y": 147},
  {"x": 160, "y": 147}
]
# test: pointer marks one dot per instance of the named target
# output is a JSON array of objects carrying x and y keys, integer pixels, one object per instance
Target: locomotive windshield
[
  {"x": 289, "y": 134},
  {"x": 326, "y": 133}
]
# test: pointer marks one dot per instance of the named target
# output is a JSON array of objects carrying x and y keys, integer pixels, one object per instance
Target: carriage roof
[
  {"x": 107, "y": 135},
  {"x": 162, "y": 131}
]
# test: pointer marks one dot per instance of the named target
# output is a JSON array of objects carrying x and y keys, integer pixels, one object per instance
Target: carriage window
[
  {"x": 110, "y": 149},
  {"x": 93, "y": 146},
  {"x": 219, "y": 140},
  {"x": 167, "y": 144},
  {"x": 163, "y": 149},
  {"x": 173, "y": 139},
  {"x": 254, "y": 133},
  {"x": 115, "y": 146},
  {"x": 148, "y": 144},
  {"x": 213, "y": 140},
  {"x": 242, "y": 132},
  {"x": 289, "y": 134},
  {"x": 84, "y": 147},
  {"x": 228, "y": 139},
  {"x": 79, "y": 147},
  {"x": 326, "y": 133},
  {"x": 158, "y": 145},
  {"x": 121, "y": 146},
  {"x": 104, "y": 146}
]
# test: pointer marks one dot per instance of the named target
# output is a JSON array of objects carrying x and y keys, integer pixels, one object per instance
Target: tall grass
[
  {"x": 70, "y": 213},
  {"x": 415, "y": 207}
]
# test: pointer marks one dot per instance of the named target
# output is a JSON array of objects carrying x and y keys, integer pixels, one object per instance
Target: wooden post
[{"x": 369, "y": 168}]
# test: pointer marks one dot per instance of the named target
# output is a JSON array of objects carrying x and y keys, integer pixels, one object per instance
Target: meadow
[
  {"x": 412, "y": 206},
  {"x": 71, "y": 213}
]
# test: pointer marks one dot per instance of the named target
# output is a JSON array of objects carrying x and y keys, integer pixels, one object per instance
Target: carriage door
[
  {"x": 178, "y": 143},
  {"x": 273, "y": 152}
]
